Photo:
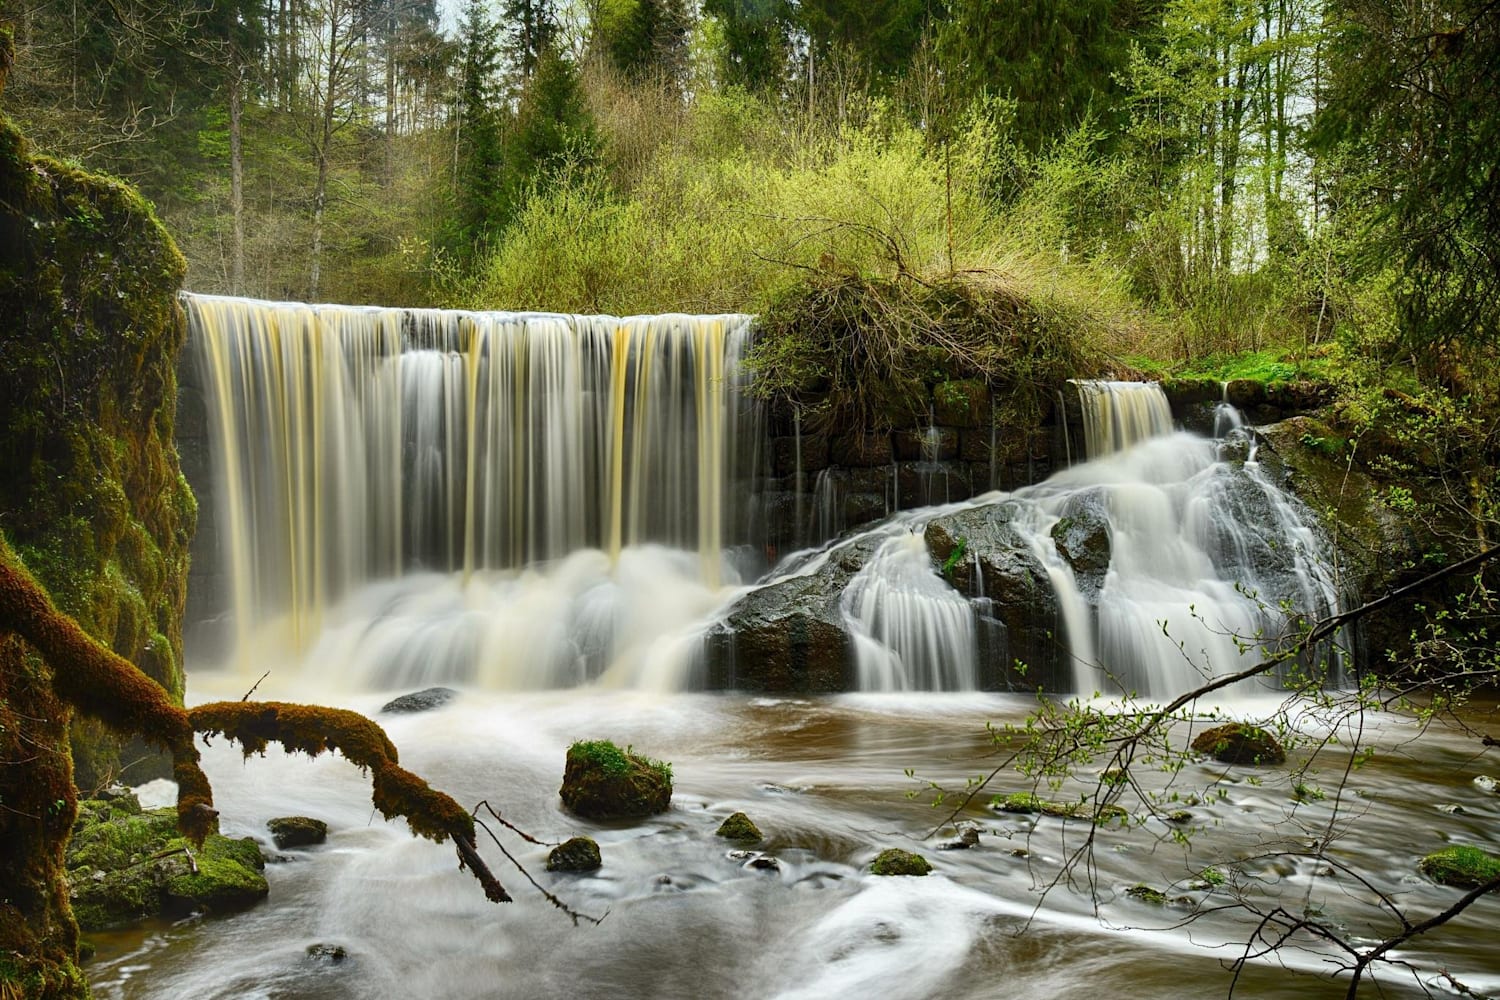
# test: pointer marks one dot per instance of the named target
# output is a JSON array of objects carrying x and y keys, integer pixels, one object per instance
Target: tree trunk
[{"x": 237, "y": 180}]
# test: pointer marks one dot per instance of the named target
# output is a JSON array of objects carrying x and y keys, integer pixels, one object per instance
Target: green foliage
[
  {"x": 611, "y": 760},
  {"x": 956, "y": 556}
]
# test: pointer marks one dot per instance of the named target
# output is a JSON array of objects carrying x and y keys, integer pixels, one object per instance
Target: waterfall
[
  {"x": 354, "y": 445},
  {"x": 1117, "y": 415}
]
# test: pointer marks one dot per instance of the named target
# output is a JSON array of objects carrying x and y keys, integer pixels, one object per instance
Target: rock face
[
  {"x": 580, "y": 854},
  {"x": 125, "y": 864},
  {"x": 419, "y": 701},
  {"x": 601, "y": 781},
  {"x": 1017, "y": 610},
  {"x": 1240, "y": 743},
  {"x": 894, "y": 861},
  {"x": 297, "y": 831}
]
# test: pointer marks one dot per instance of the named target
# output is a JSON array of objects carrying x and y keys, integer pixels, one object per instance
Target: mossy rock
[
  {"x": 297, "y": 831},
  {"x": 1240, "y": 743},
  {"x": 739, "y": 828},
  {"x": 579, "y": 854},
  {"x": 1460, "y": 867},
  {"x": 1030, "y": 802},
  {"x": 601, "y": 781},
  {"x": 894, "y": 861},
  {"x": 1146, "y": 894},
  {"x": 126, "y": 866}
]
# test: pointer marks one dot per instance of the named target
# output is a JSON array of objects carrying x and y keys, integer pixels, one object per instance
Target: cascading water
[
  {"x": 361, "y": 445},
  {"x": 1117, "y": 415}
]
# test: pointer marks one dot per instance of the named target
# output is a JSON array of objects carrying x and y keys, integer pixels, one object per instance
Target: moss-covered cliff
[{"x": 91, "y": 499}]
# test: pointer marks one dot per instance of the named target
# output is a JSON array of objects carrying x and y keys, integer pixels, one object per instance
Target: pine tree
[{"x": 481, "y": 153}]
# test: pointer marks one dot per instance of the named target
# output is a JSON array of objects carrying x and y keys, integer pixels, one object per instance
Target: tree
[
  {"x": 644, "y": 39},
  {"x": 531, "y": 33},
  {"x": 481, "y": 152},
  {"x": 553, "y": 133},
  {"x": 1411, "y": 142},
  {"x": 753, "y": 53}
]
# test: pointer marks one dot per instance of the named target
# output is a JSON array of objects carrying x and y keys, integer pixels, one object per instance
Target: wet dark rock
[
  {"x": 1082, "y": 538},
  {"x": 578, "y": 854},
  {"x": 739, "y": 827},
  {"x": 1018, "y": 615},
  {"x": 297, "y": 831},
  {"x": 1240, "y": 743},
  {"x": 764, "y": 863},
  {"x": 961, "y": 403},
  {"x": 968, "y": 838},
  {"x": 332, "y": 954},
  {"x": 931, "y": 444},
  {"x": 1245, "y": 393},
  {"x": 419, "y": 701},
  {"x": 894, "y": 861},
  {"x": 602, "y": 781},
  {"x": 862, "y": 450}
]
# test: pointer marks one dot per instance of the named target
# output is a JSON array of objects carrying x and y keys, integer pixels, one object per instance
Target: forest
[{"x": 922, "y": 250}]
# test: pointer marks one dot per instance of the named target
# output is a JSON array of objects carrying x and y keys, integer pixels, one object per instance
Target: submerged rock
[
  {"x": 1146, "y": 894},
  {"x": 297, "y": 831},
  {"x": 419, "y": 701},
  {"x": 894, "y": 861},
  {"x": 330, "y": 953},
  {"x": 739, "y": 827},
  {"x": 125, "y": 865},
  {"x": 1460, "y": 867},
  {"x": 967, "y": 837},
  {"x": 1030, "y": 802},
  {"x": 578, "y": 854},
  {"x": 1240, "y": 743},
  {"x": 601, "y": 781}
]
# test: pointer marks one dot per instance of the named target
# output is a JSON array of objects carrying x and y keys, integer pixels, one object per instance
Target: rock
[
  {"x": 1245, "y": 393},
  {"x": 1030, "y": 802},
  {"x": 1453, "y": 809},
  {"x": 601, "y": 781},
  {"x": 862, "y": 450},
  {"x": 1485, "y": 783},
  {"x": 579, "y": 854},
  {"x": 894, "y": 861},
  {"x": 967, "y": 837},
  {"x": 419, "y": 701},
  {"x": 1240, "y": 743},
  {"x": 1146, "y": 894},
  {"x": 739, "y": 827},
  {"x": 1082, "y": 538},
  {"x": 764, "y": 863},
  {"x": 330, "y": 953},
  {"x": 124, "y": 866},
  {"x": 1461, "y": 867},
  {"x": 297, "y": 831}
]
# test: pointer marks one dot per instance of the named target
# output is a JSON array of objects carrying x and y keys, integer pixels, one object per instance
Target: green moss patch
[
  {"x": 124, "y": 866},
  {"x": 1030, "y": 802},
  {"x": 739, "y": 827},
  {"x": 894, "y": 861},
  {"x": 602, "y": 781},
  {"x": 1460, "y": 867}
]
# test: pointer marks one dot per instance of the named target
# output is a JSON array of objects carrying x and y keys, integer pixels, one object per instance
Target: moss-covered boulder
[
  {"x": 297, "y": 831},
  {"x": 578, "y": 854},
  {"x": 894, "y": 861},
  {"x": 602, "y": 781},
  {"x": 1461, "y": 867},
  {"x": 1030, "y": 802},
  {"x": 739, "y": 828},
  {"x": 125, "y": 864},
  {"x": 1240, "y": 743}
]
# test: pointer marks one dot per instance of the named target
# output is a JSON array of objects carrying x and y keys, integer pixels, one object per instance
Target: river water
[{"x": 826, "y": 781}]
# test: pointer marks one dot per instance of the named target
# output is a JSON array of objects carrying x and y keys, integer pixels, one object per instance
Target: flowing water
[{"x": 546, "y": 512}]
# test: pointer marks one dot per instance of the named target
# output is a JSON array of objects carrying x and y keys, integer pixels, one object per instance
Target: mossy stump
[
  {"x": 894, "y": 861},
  {"x": 739, "y": 828},
  {"x": 1460, "y": 867},
  {"x": 297, "y": 831},
  {"x": 601, "y": 781},
  {"x": 1240, "y": 743},
  {"x": 579, "y": 854}
]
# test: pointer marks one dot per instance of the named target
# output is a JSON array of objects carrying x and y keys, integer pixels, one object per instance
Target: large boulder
[
  {"x": 125, "y": 865},
  {"x": 985, "y": 556},
  {"x": 601, "y": 781},
  {"x": 1240, "y": 743}
]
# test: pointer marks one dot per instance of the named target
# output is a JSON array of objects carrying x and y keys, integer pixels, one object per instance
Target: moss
[
  {"x": 579, "y": 854},
  {"x": 1030, "y": 802},
  {"x": 894, "y": 861},
  {"x": 1146, "y": 894},
  {"x": 1461, "y": 867},
  {"x": 125, "y": 866},
  {"x": 601, "y": 781},
  {"x": 1240, "y": 743},
  {"x": 738, "y": 827}
]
